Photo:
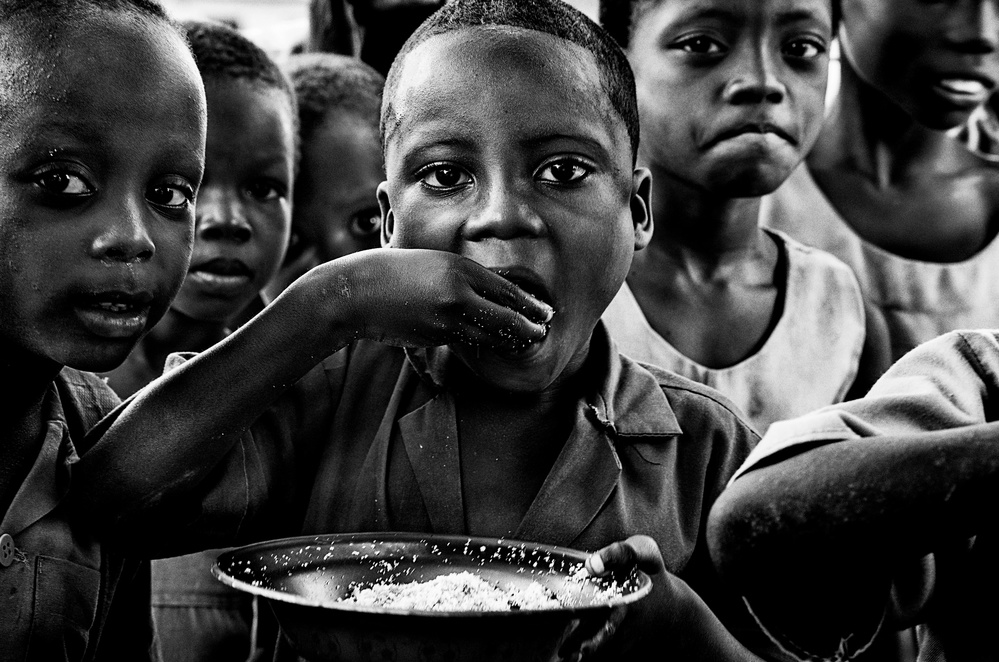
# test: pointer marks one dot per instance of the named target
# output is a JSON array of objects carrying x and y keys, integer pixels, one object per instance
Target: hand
[
  {"x": 422, "y": 298},
  {"x": 590, "y": 635}
]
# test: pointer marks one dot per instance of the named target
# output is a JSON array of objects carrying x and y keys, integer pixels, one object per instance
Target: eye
[
  {"x": 804, "y": 49},
  {"x": 564, "y": 171},
  {"x": 442, "y": 177},
  {"x": 366, "y": 223},
  {"x": 701, "y": 45},
  {"x": 62, "y": 182},
  {"x": 174, "y": 196},
  {"x": 264, "y": 190}
]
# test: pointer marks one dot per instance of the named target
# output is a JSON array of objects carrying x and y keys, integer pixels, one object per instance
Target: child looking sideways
[
  {"x": 242, "y": 222},
  {"x": 731, "y": 96},
  {"x": 511, "y": 224},
  {"x": 886, "y": 189},
  {"x": 100, "y": 159},
  {"x": 335, "y": 211}
]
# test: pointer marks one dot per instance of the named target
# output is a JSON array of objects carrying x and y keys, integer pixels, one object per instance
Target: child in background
[
  {"x": 877, "y": 513},
  {"x": 511, "y": 223},
  {"x": 731, "y": 95},
  {"x": 243, "y": 219},
  {"x": 100, "y": 159},
  {"x": 335, "y": 211},
  {"x": 886, "y": 189}
]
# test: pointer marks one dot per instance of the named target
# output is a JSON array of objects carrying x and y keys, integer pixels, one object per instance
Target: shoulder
[
  {"x": 697, "y": 407},
  {"x": 813, "y": 260},
  {"x": 86, "y": 399}
]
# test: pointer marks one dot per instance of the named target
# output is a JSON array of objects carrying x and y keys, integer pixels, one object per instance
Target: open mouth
[
  {"x": 115, "y": 314},
  {"x": 220, "y": 274},
  {"x": 526, "y": 280},
  {"x": 966, "y": 89}
]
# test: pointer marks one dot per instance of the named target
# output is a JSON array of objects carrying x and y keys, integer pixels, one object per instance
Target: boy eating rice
[{"x": 512, "y": 209}]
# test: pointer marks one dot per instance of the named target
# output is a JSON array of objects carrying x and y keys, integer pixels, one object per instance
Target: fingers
[
  {"x": 638, "y": 550},
  {"x": 589, "y": 634}
]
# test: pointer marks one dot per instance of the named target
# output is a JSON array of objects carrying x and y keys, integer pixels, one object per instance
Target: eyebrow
[
  {"x": 536, "y": 142},
  {"x": 703, "y": 11}
]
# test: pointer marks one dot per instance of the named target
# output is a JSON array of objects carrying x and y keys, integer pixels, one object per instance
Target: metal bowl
[{"x": 304, "y": 580}]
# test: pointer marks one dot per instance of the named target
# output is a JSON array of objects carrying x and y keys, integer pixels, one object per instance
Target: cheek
[{"x": 174, "y": 243}]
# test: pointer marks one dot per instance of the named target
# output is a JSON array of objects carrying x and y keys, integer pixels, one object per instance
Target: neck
[
  {"x": 177, "y": 332},
  {"x": 869, "y": 134},
  {"x": 704, "y": 231}
]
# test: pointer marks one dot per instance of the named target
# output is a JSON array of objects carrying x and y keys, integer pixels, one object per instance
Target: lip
[
  {"x": 749, "y": 128},
  {"x": 220, "y": 276},
  {"x": 964, "y": 88},
  {"x": 114, "y": 313},
  {"x": 527, "y": 280}
]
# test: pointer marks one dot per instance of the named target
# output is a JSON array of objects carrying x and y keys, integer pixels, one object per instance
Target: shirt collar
[
  {"x": 625, "y": 402},
  {"x": 48, "y": 480}
]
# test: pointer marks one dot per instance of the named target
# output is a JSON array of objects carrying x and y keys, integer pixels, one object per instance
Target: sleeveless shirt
[
  {"x": 920, "y": 300},
  {"x": 809, "y": 360}
]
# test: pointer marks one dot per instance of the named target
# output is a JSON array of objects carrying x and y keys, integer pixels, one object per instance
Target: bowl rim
[{"x": 644, "y": 582}]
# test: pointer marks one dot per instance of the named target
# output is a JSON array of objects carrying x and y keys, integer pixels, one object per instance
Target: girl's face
[
  {"x": 936, "y": 59},
  {"x": 730, "y": 92}
]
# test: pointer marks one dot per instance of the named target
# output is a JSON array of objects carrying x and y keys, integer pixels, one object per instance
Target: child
[
  {"x": 885, "y": 188},
  {"x": 511, "y": 223},
  {"x": 243, "y": 218},
  {"x": 731, "y": 96},
  {"x": 101, "y": 157},
  {"x": 336, "y": 210},
  {"x": 877, "y": 513}
]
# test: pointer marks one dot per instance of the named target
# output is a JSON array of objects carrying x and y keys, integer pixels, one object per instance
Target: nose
[
  {"x": 126, "y": 237},
  {"x": 973, "y": 27},
  {"x": 504, "y": 213},
  {"x": 220, "y": 216},
  {"x": 753, "y": 79}
]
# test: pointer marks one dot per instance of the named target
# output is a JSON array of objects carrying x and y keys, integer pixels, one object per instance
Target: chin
[
  {"x": 751, "y": 182},
  {"x": 103, "y": 358},
  {"x": 514, "y": 373}
]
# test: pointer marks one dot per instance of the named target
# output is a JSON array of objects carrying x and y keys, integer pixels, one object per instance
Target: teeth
[
  {"x": 114, "y": 307},
  {"x": 963, "y": 86}
]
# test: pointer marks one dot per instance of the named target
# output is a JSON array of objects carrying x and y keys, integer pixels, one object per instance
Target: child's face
[
  {"x": 336, "y": 212},
  {"x": 508, "y": 152},
  {"x": 100, "y": 160},
  {"x": 243, "y": 210},
  {"x": 937, "y": 60},
  {"x": 730, "y": 92}
]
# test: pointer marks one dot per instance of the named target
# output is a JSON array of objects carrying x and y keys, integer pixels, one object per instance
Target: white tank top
[
  {"x": 809, "y": 360},
  {"x": 920, "y": 300}
]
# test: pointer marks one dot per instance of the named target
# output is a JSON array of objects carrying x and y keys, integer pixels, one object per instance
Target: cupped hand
[{"x": 422, "y": 298}]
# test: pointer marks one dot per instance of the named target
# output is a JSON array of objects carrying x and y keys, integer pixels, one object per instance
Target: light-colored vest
[
  {"x": 920, "y": 300},
  {"x": 809, "y": 360}
]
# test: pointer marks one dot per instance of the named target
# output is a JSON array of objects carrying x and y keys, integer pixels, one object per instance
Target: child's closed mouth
[
  {"x": 751, "y": 128},
  {"x": 220, "y": 275},
  {"x": 115, "y": 314}
]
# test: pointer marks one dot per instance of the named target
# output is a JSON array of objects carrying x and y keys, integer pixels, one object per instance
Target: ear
[
  {"x": 641, "y": 206},
  {"x": 388, "y": 218}
]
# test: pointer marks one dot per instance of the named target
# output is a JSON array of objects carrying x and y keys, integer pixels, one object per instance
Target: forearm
[
  {"x": 824, "y": 533},
  {"x": 175, "y": 431}
]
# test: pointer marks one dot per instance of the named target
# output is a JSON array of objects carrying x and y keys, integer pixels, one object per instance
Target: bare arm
[
  {"x": 175, "y": 431},
  {"x": 815, "y": 541}
]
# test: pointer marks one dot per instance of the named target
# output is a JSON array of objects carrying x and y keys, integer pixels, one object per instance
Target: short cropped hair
[
  {"x": 618, "y": 17},
  {"x": 553, "y": 17},
  {"x": 39, "y": 11},
  {"x": 221, "y": 51},
  {"x": 325, "y": 82},
  {"x": 35, "y": 20}
]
